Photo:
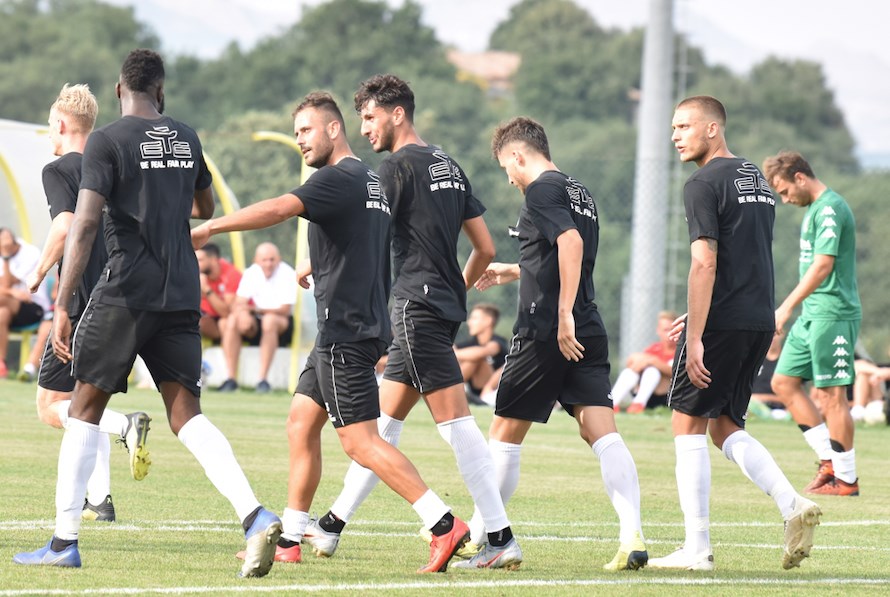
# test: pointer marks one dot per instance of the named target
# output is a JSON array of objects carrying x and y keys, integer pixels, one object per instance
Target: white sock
[
  {"x": 430, "y": 508},
  {"x": 476, "y": 467},
  {"x": 622, "y": 485},
  {"x": 625, "y": 383},
  {"x": 694, "y": 486},
  {"x": 844, "y": 464},
  {"x": 758, "y": 465},
  {"x": 360, "y": 481},
  {"x": 77, "y": 459},
  {"x": 213, "y": 451},
  {"x": 99, "y": 484},
  {"x": 649, "y": 380},
  {"x": 505, "y": 458},
  {"x": 294, "y": 524},
  {"x": 29, "y": 369},
  {"x": 112, "y": 422},
  {"x": 819, "y": 440}
]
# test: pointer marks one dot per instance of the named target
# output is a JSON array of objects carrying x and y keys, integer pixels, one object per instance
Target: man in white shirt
[
  {"x": 261, "y": 315},
  {"x": 18, "y": 307}
]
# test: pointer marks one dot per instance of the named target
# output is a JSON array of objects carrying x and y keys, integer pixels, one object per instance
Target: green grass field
[{"x": 176, "y": 535}]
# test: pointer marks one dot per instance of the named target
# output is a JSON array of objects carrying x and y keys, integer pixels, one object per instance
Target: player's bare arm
[
  {"x": 570, "y": 247},
  {"x": 702, "y": 274},
  {"x": 483, "y": 250},
  {"x": 497, "y": 274},
  {"x": 253, "y": 217},
  {"x": 52, "y": 248},
  {"x": 817, "y": 273}
]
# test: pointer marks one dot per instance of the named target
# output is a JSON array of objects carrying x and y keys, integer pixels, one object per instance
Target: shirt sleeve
[
  {"x": 394, "y": 180},
  {"x": 473, "y": 208},
  {"x": 205, "y": 179},
  {"x": 60, "y": 196},
  {"x": 548, "y": 208},
  {"x": 99, "y": 165},
  {"x": 828, "y": 229},
  {"x": 701, "y": 211},
  {"x": 320, "y": 196}
]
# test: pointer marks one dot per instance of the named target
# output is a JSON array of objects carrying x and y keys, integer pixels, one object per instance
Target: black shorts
[
  {"x": 54, "y": 374},
  {"x": 108, "y": 338},
  {"x": 422, "y": 350},
  {"x": 340, "y": 378},
  {"x": 29, "y": 314},
  {"x": 536, "y": 375},
  {"x": 733, "y": 358},
  {"x": 283, "y": 340}
]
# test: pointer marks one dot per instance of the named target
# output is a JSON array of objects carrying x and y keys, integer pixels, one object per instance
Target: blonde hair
[{"x": 78, "y": 102}]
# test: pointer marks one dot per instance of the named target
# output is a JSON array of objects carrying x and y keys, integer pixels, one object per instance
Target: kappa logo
[
  {"x": 841, "y": 352},
  {"x": 842, "y": 375},
  {"x": 827, "y": 211},
  {"x": 839, "y": 341},
  {"x": 806, "y": 245},
  {"x": 829, "y": 222},
  {"x": 829, "y": 233},
  {"x": 840, "y": 364}
]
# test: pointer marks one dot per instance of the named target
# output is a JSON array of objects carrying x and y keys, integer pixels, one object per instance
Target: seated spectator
[
  {"x": 648, "y": 372},
  {"x": 18, "y": 307},
  {"x": 29, "y": 373},
  {"x": 869, "y": 386},
  {"x": 262, "y": 314},
  {"x": 483, "y": 353},
  {"x": 219, "y": 281}
]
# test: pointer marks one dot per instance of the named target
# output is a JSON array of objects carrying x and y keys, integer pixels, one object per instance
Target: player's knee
[{"x": 46, "y": 411}]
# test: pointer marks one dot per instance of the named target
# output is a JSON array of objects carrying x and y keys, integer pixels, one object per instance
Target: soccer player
[
  {"x": 560, "y": 351},
  {"x": 349, "y": 217},
  {"x": 730, "y": 211},
  {"x": 147, "y": 172},
  {"x": 71, "y": 119},
  {"x": 431, "y": 201},
  {"x": 820, "y": 344}
]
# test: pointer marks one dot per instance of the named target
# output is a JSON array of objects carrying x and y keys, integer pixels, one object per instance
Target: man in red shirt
[
  {"x": 219, "y": 281},
  {"x": 648, "y": 371}
]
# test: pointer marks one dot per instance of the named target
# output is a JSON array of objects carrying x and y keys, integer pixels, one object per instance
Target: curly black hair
[
  {"x": 142, "y": 71},
  {"x": 387, "y": 91}
]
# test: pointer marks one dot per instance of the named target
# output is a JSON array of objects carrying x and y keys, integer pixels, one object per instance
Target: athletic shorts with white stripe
[
  {"x": 340, "y": 378},
  {"x": 422, "y": 351}
]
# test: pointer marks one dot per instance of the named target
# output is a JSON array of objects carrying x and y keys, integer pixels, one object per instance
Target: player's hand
[
  {"x": 61, "y": 335},
  {"x": 782, "y": 316},
  {"x": 677, "y": 328},
  {"x": 200, "y": 235},
  {"x": 569, "y": 346},
  {"x": 304, "y": 270},
  {"x": 497, "y": 274},
  {"x": 695, "y": 364},
  {"x": 34, "y": 281}
]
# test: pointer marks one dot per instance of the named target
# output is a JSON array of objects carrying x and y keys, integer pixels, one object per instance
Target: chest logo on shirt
[
  {"x": 376, "y": 197},
  {"x": 582, "y": 201},
  {"x": 164, "y": 151},
  {"x": 752, "y": 186},
  {"x": 445, "y": 174}
]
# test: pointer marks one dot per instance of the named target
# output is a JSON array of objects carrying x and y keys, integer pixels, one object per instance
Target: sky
[{"x": 847, "y": 37}]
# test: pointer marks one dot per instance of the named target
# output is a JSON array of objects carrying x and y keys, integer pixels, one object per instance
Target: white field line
[{"x": 458, "y": 586}]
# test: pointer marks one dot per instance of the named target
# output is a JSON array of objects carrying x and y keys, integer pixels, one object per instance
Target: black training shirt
[
  {"x": 555, "y": 203},
  {"x": 148, "y": 172},
  {"x": 61, "y": 181},
  {"x": 349, "y": 219},
  {"x": 430, "y": 198},
  {"x": 729, "y": 200}
]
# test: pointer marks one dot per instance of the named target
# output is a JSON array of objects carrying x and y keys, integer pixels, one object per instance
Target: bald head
[{"x": 267, "y": 257}]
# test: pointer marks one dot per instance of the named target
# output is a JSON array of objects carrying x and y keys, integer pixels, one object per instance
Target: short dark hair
[
  {"x": 707, "y": 104},
  {"x": 142, "y": 71},
  {"x": 387, "y": 91},
  {"x": 211, "y": 249},
  {"x": 522, "y": 129},
  {"x": 785, "y": 165},
  {"x": 321, "y": 100},
  {"x": 489, "y": 309}
]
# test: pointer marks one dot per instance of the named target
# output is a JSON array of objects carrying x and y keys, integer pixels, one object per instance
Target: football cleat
[
  {"x": 464, "y": 553},
  {"x": 323, "y": 543},
  {"x": 508, "y": 557},
  {"x": 635, "y": 408},
  {"x": 262, "y": 542},
  {"x": 799, "y": 529},
  {"x": 45, "y": 556},
  {"x": 680, "y": 560},
  {"x": 443, "y": 547},
  {"x": 135, "y": 439},
  {"x": 837, "y": 487},
  {"x": 824, "y": 475},
  {"x": 631, "y": 556},
  {"x": 291, "y": 555},
  {"x": 104, "y": 512}
]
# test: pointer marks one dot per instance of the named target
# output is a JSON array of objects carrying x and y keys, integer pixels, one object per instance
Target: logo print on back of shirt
[
  {"x": 376, "y": 197},
  {"x": 752, "y": 186},
  {"x": 164, "y": 151},
  {"x": 444, "y": 173},
  {"x": 582, "y": 202}
]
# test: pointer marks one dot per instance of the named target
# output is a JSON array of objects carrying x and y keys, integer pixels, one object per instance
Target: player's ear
[
  {"x": 398, "y": 115},
  {"x": 333, "y": 129},
  {"x": 117, "y": 89}
]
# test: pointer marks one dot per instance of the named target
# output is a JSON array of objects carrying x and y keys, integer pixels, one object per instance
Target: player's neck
[
  {"x": 74, "y": 144},
  {"x": 484, "y": 337},
  {"x": 407, "y": 136}
]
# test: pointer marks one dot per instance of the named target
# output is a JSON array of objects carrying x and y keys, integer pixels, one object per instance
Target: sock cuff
[
  {"x": 75, "y": 423},
  {"x": 690, "y": 442},
  {"x": 455, "y": 421},
  {"x": 191, "y": 427},
  {"x": 603, "y": 443},
  {"x": 503, "y": 447},
  {"x": 732, "y": 440}
]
